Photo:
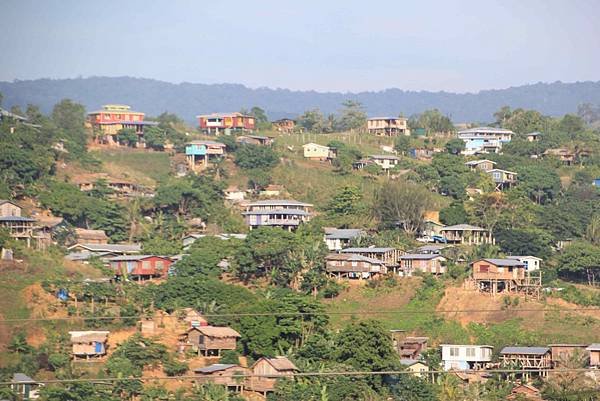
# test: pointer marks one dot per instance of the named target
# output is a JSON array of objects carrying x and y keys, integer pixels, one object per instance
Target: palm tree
[
  {"x": 133, "y": 216},
  {"x": 19, "y": 344},
  {"x": 592, "y": 233}
]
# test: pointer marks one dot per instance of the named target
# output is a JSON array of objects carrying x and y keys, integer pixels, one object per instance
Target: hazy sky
[{"x": 323, "y": 45}]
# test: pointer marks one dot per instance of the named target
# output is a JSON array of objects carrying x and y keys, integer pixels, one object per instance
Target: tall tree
[
  {"x": 69, "y": 117},
  {"x": 581, "y": 259},
  {"x": 352, "y": 116},
  {"x": 366, "y": 346},
  {"x": 312, "y": 121},
  {"x": 402, "y": 204}
]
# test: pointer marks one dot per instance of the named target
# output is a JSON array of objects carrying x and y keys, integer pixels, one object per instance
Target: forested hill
[{"x": 188, "y": 100}]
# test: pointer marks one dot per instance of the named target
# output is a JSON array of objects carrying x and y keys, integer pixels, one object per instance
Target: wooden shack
[
  {"x": 411, "y": 347},
  {"x": 594, "y": 350},
  {"x": 389, "y": 256},
  {"x": 353, "y": 266},
  {"x": 194, "y": 318},
  {"x": 529, "y": 359},
  {"x": 505, "y": 275},
  {"x": 228, "y": 375},
  {"x": 267, "y": 371},
  {"x": 563, "y": 353},
  {"x": 86, "y": 236},
  {"x": 210, "y": 340},
  {"x": 88, "y": 344},
  {"x": 525, "y": 392}
]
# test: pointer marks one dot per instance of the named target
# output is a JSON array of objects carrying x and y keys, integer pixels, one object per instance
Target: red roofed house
[
  {"x": 114, "y": 117},
  {"x": 218, "y": 123},
  {"x": 140, "y": 267}
]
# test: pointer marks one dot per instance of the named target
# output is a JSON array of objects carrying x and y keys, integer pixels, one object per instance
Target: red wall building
[
  {"x": 141, "y": 267},
  {"x": 217, "y": 123}
]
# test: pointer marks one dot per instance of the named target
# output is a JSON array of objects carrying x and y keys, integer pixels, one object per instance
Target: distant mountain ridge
[{"x": 189, "y": 99}]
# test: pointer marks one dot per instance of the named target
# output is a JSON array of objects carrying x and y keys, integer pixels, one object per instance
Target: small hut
[
  {"x": 222, "y": 374},
  {"x": 210, "y": 340},
  {"x": 88, "y": 344},
  {"x": 267, "y": 371},
  {"x": 25, "y": 387}
]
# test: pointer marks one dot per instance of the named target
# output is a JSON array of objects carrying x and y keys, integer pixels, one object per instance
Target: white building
[
  {"x": 386, "y": 162},
  {"x": 314, "y": 151},
  {"x": 531, "y": 262},
  {"x": 234, "y": 194},
  {"x": 338, "y": 238},
  {"x": 484, "y": 139},
  {"x": 465, "y": 357},
  {"x": 288, "y": 214}
]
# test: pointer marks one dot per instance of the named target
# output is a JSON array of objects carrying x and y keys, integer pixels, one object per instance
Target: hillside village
[{"x": 321, "y": 257}]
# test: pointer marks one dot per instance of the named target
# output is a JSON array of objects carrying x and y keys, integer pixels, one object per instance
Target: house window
[
  {"x": 471, "y": 352},
  {"x": 146, "y": 264},
  {"x": 454, "y": 351},
  {"x": 160, "y": 264},
  {"x": 484, "y": 268}
]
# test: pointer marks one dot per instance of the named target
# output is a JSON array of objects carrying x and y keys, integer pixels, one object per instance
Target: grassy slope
[
  {"x": 143, "y": 166},
  {"x": 23, "y": 298},
  {"x": 515, "y": 324}
]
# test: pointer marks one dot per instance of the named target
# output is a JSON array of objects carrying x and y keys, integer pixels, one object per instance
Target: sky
[{"x": 326, "y": 45}]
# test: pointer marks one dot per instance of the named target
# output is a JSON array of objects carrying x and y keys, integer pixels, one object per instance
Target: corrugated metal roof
[
  {"x": 594, "y": 347},
  {"x": 384, "y": 157},
  {"x": 134, "y": 257},
  {"x": 410, "y": 362},
  {"x": 276, "y": 202},
  {"x": 344, "y": 233},
  {"x": 277, "y": 211},
  {"x": 421, "y": 256},
  {"x": 518, "y": 257},
  {"x": 525, "y": 350},
  {"x": 505, "y": 262},
  {"x": 463, "y": 227},
  {"x": 22, "y": 378},
  {"x": 352, "y": 257},
  {"x": 215, "y": 367},
  {"x": 491, "y": 130},
  {"x": 365, "y": 250},
  {"x": 211, "y": 143},
  {"x": 16, "y": 218}
]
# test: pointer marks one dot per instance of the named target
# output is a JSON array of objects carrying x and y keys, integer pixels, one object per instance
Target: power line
[
  {"x": 310, "y": 374},
  {"x": 303, "y": 314}
]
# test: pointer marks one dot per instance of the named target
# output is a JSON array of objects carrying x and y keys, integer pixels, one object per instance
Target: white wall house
[
  {"x": 464, "y": 357},
  {"x": 386, "y": 162},
  {"x": 531, "y": 262},
  {"x": 314, "y": 151},
  {"x": 339, "y": 238}
]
